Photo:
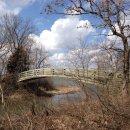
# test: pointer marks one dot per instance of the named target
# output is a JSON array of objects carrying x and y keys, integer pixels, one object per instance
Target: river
[{"x": 63, "y": 99}]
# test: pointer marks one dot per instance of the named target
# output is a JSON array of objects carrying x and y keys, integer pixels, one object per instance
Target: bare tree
[
  {"x": 80, "y": 58},
  {"x": 39, "y": 57},
  {"x": 4, "y": 51},
  {"x": 111, "y": 14},
  {"x": 15, "y": 33},
  {"x": 17, "y": 30},
  {"x": 113, "y": 58},
  {"x": 79, "y": 62}
]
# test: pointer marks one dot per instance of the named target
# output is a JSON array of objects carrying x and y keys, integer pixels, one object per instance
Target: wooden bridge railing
[
  {"x": 45, "y": 72},
  {"x": 48, "y": 72}
]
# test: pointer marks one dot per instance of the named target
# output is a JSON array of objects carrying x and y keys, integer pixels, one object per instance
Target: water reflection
[{"x": 62, "y": 99}]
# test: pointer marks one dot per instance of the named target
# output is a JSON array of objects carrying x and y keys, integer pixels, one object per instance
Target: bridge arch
[{"x": 45, "y": 72}]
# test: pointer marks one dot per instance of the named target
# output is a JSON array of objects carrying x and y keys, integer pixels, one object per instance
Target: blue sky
[
  {"x": 57, "y": 33},
  {"x": 33, "y": 12},
  {"x": 42, "y": 21},
  {"x": 31, "y": 9}
]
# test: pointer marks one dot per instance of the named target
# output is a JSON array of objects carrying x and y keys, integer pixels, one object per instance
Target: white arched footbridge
[
  {"x": 47, "y": 72},
  {"x": 79, "y": 74}
]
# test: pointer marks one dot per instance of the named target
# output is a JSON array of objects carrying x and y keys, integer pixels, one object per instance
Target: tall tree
[
  {"x": 16, "y": 36},
  {"x": 110, "y": 14},
  {"x": 4, "y": 51},
  {"x": 17, "y": 30}
]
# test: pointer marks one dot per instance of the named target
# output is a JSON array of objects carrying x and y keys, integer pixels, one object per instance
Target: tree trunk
[{"x": 125, "y": 87}]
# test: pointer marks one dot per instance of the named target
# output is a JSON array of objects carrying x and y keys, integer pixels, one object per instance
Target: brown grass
[{"x": 87, "y": 115}]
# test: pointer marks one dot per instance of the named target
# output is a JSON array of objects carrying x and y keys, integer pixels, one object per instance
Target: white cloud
[
  {"x": 104, "y": 31},
  {"x": 65, "y": 33},
  {"x": 13, "y": 6},
  {"x": 57, "y": 60},
  {"x": 94, "y": 51}
]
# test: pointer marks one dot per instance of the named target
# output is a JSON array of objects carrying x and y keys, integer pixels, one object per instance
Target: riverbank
[{"x": 62, "y": 90}]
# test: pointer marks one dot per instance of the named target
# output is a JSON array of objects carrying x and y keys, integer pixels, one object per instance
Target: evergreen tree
[{"x": 18, "y": 61}]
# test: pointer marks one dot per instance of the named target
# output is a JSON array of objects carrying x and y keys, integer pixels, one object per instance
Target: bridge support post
[
  {"x": 52, "y": 71},
  {"x": 34, "y": 73},
  {"x": 63, "y": 71},
  {"x": 43, "y": 71}
]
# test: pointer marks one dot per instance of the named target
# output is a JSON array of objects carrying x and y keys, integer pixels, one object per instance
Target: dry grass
[{"x": 87, "y": 115}]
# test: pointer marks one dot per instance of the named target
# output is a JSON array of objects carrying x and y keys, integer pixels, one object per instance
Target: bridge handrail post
[
  {"x": 34, "y": 73},
  {"x": 25, "y": 75},
  {"x": 43, "y": 71},
  {"x": 63, "y": 71},
  {"x": 52, "y": 71}
]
